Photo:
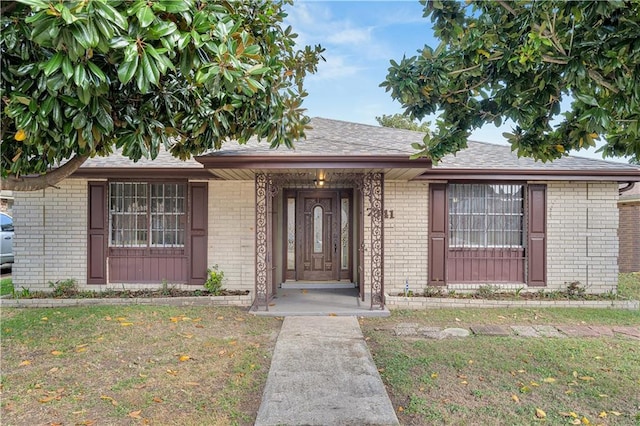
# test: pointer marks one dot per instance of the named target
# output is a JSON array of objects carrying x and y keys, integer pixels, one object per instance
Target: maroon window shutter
[
  {"x": 198, "y": 232},
  {"x": 437, "y": 233},
  {"x": 97, "y": 234},
  {"x": 537, "y": 241}
]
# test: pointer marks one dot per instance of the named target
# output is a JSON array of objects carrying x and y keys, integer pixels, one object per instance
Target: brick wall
[
  {"x": 50, "y": 240},
  {"x": 232, "y": 232},
  {"x": 582, "y": 241},
  {"x": 405, "y": 235},
  {"x": 629, "y": 235}
]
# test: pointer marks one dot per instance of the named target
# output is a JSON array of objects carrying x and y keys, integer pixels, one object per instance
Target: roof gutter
[
  {"x": 312, "y": 162},
  {"x": 528, "y": 174}
]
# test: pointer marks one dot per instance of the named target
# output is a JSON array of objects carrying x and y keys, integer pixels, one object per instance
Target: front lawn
[
  {"x": 488, "y": 380},
  {"x": 134, "y": 365}
]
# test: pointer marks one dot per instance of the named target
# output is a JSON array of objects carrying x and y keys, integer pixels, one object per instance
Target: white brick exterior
[
  {"x": 405, "y": 235},
  {"x": 582, "y": 241},
  {"x": 50, "y": 241},
  {"x": 232, "y": 241}
]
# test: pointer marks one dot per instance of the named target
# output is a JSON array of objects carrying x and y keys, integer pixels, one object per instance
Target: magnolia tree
[
  {"x": 82, "y": 78},
  {"x": 500, "y": 60}
]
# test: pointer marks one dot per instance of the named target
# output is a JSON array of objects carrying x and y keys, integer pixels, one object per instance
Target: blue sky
[{"x": 360, "y": 38}]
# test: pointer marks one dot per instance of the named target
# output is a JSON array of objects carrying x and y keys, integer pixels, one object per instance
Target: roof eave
[
  {"x": 312, "y": 162},
  {"x": 142, "y": 172},
  {"x": 527, "y": 174}
]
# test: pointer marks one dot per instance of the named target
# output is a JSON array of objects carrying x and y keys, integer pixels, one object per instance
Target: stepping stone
[
  {"x": 628, "y": 331},
  {"x": 455, "y": 332},
  {"x": 548, "y": 331},
  {"x": 525, "y": 331},
  {"x": 491, "y": 330},
  {"x": 578, "y": 331},
  {"x": 432, "y": 332},
  {"x": 406, "y": 329},
  {"x": 602, "y": 330}
]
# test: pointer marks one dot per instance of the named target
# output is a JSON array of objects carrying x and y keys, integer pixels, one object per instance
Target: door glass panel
[
  {"x": 344, "y": 233},
  {"x": 291, "y": 233},
  {"x": 317, "y": 229}
]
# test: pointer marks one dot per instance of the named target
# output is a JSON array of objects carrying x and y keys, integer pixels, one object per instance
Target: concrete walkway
[{"x": 322, "y": 373}]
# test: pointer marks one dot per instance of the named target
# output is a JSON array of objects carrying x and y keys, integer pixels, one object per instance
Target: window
[
  {"x": 486, "y": 216},
  {"x": 147, "y": 214}
]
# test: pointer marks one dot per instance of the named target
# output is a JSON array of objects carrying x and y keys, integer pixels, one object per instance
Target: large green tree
[
  {"x": 83, "y": 77},
  {"x": 519, "y": 60},
  {"x": 401, "y": 121}
]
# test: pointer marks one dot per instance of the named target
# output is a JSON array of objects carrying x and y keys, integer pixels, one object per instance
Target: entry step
[{"x": 316, "y": 285}]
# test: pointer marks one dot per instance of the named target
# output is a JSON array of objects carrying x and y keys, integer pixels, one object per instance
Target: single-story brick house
[{"x": 348, "y": 205}]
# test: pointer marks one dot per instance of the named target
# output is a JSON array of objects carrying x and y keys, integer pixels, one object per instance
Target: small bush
[
  {"x": 575, "y": 290},
  {"x": 214, "y": 280},
  {"x": 64, "y": 288}
]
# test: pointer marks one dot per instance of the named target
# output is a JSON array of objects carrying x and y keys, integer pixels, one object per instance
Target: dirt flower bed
[
  {"x": 68, "y": 289},
  {"x": 573, "y": 291}
]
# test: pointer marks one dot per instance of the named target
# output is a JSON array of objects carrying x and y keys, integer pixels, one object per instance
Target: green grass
[
  {"x": 629, "y": 285},
  {"x": 6, "y": 286},
  {"x": 111, "y": 364},
  {"x": 501, "y": 381}
]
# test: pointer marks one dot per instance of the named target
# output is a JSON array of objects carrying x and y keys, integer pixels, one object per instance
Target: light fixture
[{"x": 318, "y": 182}]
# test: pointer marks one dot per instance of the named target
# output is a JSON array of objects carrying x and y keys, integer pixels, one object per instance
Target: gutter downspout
[{"x": 629, "y": 186}]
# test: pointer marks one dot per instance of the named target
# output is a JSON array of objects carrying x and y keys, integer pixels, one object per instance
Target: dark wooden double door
[{"x": 319, "y": 236}]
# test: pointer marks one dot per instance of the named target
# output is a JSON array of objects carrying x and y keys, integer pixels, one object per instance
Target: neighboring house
[
  {"x": 346, "y": 206},
  {"x": 6, "y": 202},
  {"x": 629, "y": 229}
]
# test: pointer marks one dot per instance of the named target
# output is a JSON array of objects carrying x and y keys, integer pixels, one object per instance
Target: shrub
[
  {"x": 214, "y": 280},
  {"x": 64, "y": 288}
]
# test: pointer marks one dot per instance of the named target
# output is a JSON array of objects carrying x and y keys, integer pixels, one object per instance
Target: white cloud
[
  {"x": 336, "y": 66},
  {"x": 351, "y": 36}
]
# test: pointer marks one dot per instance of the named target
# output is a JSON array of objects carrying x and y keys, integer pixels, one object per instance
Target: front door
[{"x": 319, "y": 231}]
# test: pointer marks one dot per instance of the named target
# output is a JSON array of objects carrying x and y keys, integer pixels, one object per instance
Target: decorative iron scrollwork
[{"x": 373, "y": 189}]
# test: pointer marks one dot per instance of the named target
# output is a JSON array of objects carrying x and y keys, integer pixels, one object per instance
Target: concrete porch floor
[{"x": 320, "y": 302}]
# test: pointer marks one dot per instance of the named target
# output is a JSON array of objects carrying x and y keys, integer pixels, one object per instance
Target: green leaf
[
  {"x": 145, "y": 16},
  {"x": 97, "y": 71},
  {"x": 127, "y": 70},
  {"x": 80, "y": 76},
  {"x": 106, "y": 11},
  {"x": 119, "y": 42},
  {"x": 53, "y": 64},
  {"x": 67, "y": 16},
  {"x": 67, "y": 67},
  {"x": 150, "y": 69},
  {"x": 587, "y": 99},
  {"x": 162, "y": 29}
]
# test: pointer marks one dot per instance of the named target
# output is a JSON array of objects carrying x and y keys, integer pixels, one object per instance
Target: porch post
[
  {"x": 263, "y": 236},
  {"x": 374, "y": 190}
]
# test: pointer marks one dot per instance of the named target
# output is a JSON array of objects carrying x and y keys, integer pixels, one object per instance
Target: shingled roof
[{"x": 340, "y": 144}]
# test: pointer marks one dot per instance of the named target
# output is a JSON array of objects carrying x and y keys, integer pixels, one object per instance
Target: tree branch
[{"x": 36, "y": 183}]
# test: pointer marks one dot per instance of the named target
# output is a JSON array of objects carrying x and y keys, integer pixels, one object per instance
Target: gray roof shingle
[{"x": 329, "y": 138}]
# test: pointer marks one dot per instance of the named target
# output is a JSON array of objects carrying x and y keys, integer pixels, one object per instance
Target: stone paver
[
  {"x": 491, "y": 330},
  {"x": 628, "y": 331},
  {"x": 456, "y": 332},
  {"x": 406, "y": 329},
  {"x": 548, "y": 331},
  {"x": 525, "y": 331},
  {"x": 602, "y": 330},
  {"x": 577, "y": 331},
  {"x": 432, "y": 332}
]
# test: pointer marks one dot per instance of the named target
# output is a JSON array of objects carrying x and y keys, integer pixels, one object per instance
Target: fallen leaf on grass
[
  {"x": 603, "y": 395},
  {"x": 174, "y": 319},
  {"x": 549, "y": 380},
  {"x": 44, "y": 319},
  {"x": 220, "y": 318},
  {"x": 192, "y": 384},
  {"x": 121, "y": 319},
  {"x": 576, "y": 422},
  {"x": 401, "y": 409},
  {"x": 569, "y": 414},
  {"x": 515, "y": 398},
  {"x": 540, "y": 413},
  {"x": 157, "y": 399},
  {"x": 434, "y": 375},
  {"x": 586, "y": 378},
  {"x": 615, "y": 413},
  {"x": 172, "y": 372},
  {"x": 24, "y": 363},
  {"x": 585, "y": 421},
  {"x": 135, "y": 414},
  {"x": 107, "y": 318},
  {"x": 602, "y": 414},
  {"x": 534, "y": 384},
  {"x": 184, "y": 358},
  {"x": 186, "y": 335},
  {"x": 222, "y": 352},
  {"x": 239, "y": 319},
  {"x": 525, "y": 389},
  {"x": 56, "y": 353},
  {"x": 47, "y": 398},
  {"x": 126, "y": 324},
  {"x": 108, "y": 398},
  {"x": 53, "y": 370}
]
